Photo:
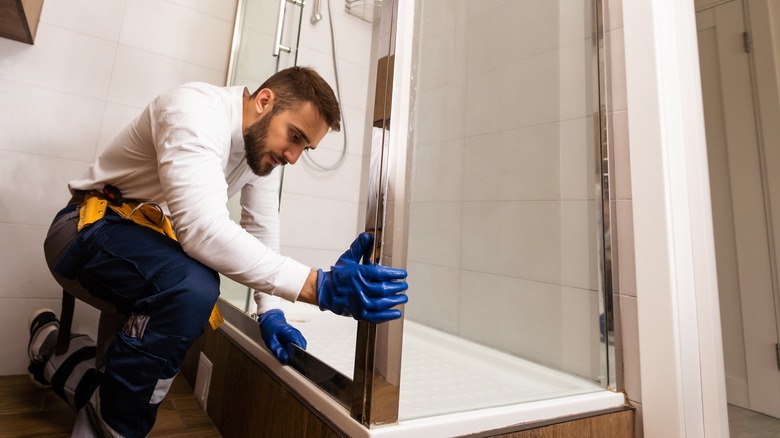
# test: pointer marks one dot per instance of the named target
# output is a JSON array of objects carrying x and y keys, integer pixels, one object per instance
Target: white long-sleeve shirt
[{"x": 185, "y": 151}]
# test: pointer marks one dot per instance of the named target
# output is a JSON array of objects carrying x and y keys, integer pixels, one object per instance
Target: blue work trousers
[{"x": 166, "y": 296}]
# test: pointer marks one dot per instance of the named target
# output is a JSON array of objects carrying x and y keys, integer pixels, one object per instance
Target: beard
[{"x": 256, "y": 145}]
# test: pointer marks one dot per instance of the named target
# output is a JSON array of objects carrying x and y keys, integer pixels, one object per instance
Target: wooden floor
[{"x": 27, "y": 411}]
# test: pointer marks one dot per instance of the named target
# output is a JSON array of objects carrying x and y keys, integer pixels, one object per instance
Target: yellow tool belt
[{"x": 145, "y": 213}]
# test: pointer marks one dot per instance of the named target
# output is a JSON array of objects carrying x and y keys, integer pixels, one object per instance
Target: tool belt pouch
[{"x": 146, "y": 214}]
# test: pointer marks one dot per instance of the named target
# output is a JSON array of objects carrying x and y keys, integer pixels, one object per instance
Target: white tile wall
[
  {"x": 618, "y": 129},
  {"x": 351, "y": 34},
  {"x": 435, "y": 163},
  {"x": 102, "y": 19},
  {"x": 491, "y": 108},
  {"x": 513, "y": 315},
  {"x": 68, "y": 120},
  {"x": 341, "y": 185},
  {"x": 94, "y": 64},
  {"x": 435, "y": 286},
  {"x": 579, "y": 267},
  {"x": 219, "y": 10},
  {"x": 33, "y": 188},
  {"x": 61, "y": 60},
  {"x": 312, "y": 222},
  {"x": 443, "y": 46},
  {"x": 512, "y": 165},
  {"x": 158, "y": 27},
  {"x": 516, "y": 239},
  {"x": 139, "y": 76},
  {"x": 443, "y": 17},
  {"x": 353, "y": 77},
  {"x": 439, "y": 219},
  {"x": 27, "y": 241},
  {"x": 616, "y": 70},
  {"x": 576, "y": 80},
  {"x": 580, "y": 346},
  {"x": 256, "y": 45},
  {"x": 625, "y": 250},
  {"x": 445, "y": 113},
  {"x": 115, "y": 118},
  {"x": 578, "y": 175},
  {"x": 493, "y": 37}
]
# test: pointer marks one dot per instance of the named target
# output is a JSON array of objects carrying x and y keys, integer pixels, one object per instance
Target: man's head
[{"x": 290, "y": 112}]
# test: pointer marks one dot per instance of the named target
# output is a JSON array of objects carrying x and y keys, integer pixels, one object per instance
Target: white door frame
[{"x": 681, "y": 356}]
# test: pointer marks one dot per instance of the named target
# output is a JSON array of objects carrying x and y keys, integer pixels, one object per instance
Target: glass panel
[
  {"x": 252, "y": 62},
  {"x": 323, "y": 198},
  {"x": 505, "y": 240}
]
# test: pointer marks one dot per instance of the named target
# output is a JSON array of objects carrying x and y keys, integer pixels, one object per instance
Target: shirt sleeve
[{"x": 192, "y": 135}]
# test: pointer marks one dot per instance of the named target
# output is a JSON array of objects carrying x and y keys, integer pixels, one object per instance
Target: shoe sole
[{"x": 37, "y": 382}]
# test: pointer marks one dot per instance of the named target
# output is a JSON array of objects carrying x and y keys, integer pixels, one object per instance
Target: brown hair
[{"x": 296, "y": 85}]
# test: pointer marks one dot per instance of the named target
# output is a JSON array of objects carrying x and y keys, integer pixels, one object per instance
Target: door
[{"x": 743, "y": 233}]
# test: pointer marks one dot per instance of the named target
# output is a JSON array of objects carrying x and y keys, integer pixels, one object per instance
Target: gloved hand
[
  {"x": 278, "y": 335},
  {"x": 364, "y": 292}
]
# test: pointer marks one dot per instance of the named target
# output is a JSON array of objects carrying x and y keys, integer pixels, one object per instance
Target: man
[{"x": 189, "y": 151}]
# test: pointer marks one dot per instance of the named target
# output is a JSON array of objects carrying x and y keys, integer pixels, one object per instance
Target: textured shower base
[{"x": 441, "y": 373}]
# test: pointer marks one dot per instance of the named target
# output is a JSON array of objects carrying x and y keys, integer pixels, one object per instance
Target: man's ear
[{"x": 264, "y": 100}]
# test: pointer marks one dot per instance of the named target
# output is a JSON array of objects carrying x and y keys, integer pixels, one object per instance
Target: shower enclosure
[{"x": 485, "y": 176}]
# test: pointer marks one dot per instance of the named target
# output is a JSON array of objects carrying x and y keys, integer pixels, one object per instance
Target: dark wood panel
[
  {"x": 612, "y": 425},
  {"x": 19, "y": 19},
  {"x": 246, "y": 401}
]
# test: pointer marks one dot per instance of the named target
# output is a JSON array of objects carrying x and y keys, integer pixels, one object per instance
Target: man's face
[{"x": 279, "y": 137}]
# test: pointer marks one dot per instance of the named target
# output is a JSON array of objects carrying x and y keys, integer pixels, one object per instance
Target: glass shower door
[
  {"x": 260, "y": 49},
  {"x": 489, "y": 190},
  {"x": 502, "y": 200}
]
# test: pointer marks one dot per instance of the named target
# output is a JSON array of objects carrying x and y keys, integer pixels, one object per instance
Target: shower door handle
[
  {"x": 278, "y": 46},
  {"x": 315, "y": 15}
]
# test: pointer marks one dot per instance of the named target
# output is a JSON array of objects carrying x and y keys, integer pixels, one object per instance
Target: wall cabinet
[{"x": 19, "y": 19}]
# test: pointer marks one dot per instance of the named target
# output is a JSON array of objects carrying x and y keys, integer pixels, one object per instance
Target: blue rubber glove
[
  {"x": 364, "y": 292},
  {"x": 278, "y": 334}
]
